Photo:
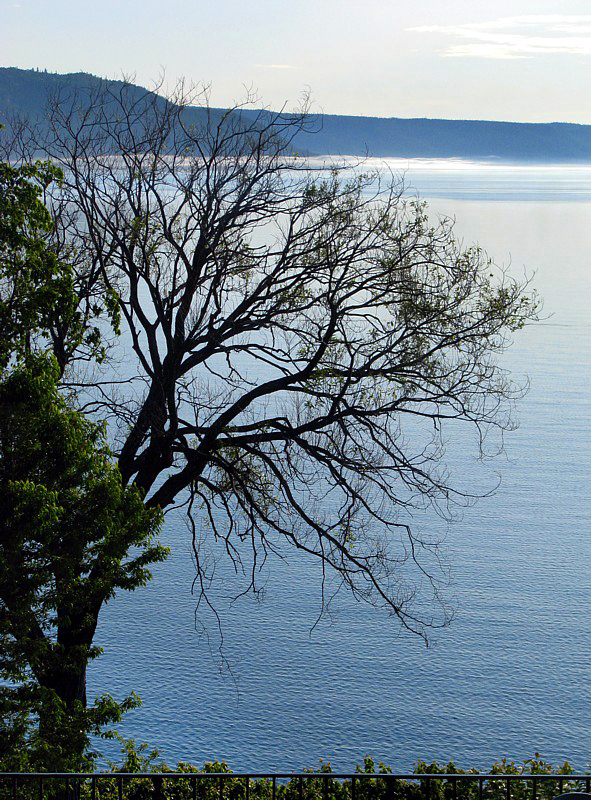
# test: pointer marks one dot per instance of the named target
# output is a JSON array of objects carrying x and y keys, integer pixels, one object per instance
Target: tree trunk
[
  {"x": 69, "y": 685},
  {"x": 60, "y": 724}
]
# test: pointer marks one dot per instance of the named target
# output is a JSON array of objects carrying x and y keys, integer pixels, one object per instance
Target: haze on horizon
[{"x": 516, "y": 60}]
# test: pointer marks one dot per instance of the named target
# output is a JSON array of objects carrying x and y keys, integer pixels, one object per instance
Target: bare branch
[{"x": 298, "y": 340}]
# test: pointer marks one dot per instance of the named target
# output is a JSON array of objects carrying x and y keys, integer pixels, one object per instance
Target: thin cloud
[
  {"x": 518, "y": 37},
  {"x": 275, "y": 66}
]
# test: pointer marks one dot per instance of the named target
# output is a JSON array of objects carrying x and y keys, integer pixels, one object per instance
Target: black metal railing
[{"x": 193, "y": 785}]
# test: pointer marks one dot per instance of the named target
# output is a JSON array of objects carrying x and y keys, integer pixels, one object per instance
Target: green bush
[{"x": 371, "y": 782}]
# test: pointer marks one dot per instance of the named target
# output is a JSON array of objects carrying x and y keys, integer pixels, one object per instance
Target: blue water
[{"x": 512, "y": 673}]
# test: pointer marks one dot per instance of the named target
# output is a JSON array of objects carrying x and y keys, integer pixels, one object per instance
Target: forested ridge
[{"x": 25, "y": 92}]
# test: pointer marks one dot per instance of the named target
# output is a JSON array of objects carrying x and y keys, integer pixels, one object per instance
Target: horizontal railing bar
[{"x": 308, "y": 775}]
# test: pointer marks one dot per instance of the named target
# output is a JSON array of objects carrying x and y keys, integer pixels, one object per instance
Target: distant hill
[
  {"x": 25, "y": 92},
  {"x": 445, "y": 138}
]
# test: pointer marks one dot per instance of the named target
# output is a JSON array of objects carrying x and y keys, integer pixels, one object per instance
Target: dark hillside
[
  {"x": 441, "y": 138},
  {"x": 25, "y": 92}
]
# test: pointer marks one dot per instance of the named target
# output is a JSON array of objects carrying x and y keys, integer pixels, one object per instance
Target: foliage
[
  {"x": 71, "y": 534},
  {"x": 372, "y": 781},
  {"x": 41, "y": 296},
  {"x": 35, "y": 286}
]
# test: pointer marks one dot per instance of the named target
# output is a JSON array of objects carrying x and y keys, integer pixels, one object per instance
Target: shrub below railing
[{"x": 142, "y": 777}]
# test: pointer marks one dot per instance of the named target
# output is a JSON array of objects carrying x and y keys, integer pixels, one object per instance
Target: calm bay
[{"x": 511, "y": 674}]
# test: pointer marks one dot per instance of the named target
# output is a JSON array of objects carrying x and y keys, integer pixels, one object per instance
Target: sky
[{"x": 519, "y": 60}]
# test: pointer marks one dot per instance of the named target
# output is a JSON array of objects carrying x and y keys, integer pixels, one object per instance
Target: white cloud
[{"x": 518, "y": 37}]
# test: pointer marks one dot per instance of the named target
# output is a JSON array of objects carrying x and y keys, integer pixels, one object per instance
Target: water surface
[{"x": 511, "y": 675}]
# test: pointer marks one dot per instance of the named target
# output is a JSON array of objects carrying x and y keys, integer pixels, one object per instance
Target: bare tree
[{"x": 295, "y": 340}]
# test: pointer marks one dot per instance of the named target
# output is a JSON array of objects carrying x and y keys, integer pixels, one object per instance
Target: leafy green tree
[
  {"x": 71, "y": 534},
  {"x": 44, "y": 300}
]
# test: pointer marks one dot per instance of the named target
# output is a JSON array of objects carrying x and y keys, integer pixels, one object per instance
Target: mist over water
[{"x": 511, "y": 675}]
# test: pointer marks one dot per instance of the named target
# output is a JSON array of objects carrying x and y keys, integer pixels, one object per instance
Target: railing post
[{"x": 158, "y": 783}]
